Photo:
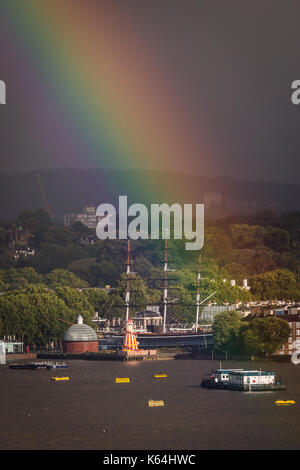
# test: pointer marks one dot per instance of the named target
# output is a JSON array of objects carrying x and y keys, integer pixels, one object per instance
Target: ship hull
[
  {"x": 154, "y": 341},
  {"x": 211, "y": 384}
]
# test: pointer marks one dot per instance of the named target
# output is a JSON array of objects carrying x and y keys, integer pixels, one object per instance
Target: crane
[{"x": 47, "y": 206}]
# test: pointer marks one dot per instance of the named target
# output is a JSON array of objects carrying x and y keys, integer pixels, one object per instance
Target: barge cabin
[{"x": 218, "y": 378}]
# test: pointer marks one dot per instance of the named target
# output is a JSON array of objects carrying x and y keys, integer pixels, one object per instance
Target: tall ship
[{"x": 159, "y": 333}]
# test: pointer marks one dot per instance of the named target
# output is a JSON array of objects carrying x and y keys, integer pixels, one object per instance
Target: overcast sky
[{"x": 231, "y": 62}]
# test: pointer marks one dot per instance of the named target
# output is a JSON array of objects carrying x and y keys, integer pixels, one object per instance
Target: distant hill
[{"x": 68, "y": 190}]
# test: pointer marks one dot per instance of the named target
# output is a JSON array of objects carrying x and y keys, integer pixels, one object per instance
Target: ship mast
[
  {"x": 127, "y": 296},
  {"x": 198, "y": 295},
  {"x": 165, "y": 296},
  {"x": 198, "y": 303}
]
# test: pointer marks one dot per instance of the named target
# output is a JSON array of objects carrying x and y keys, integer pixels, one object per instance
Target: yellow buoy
[
  {"x": 59, "y": 378},
  {"x": 120, "y": 380},
  {"x": 156, "y": 403},
  {"x": 285, "y": 402},
  {"x": 160, "y": 376}
]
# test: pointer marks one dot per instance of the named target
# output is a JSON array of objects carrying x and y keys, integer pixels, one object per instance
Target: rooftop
[
  {"x": 80, "y": 332},
  {"x": 252, "y": 372},
  {"x": 147, "y": 314}
]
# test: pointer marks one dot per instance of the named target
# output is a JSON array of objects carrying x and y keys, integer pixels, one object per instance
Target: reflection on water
[
  {"x": 91, "y": 411},
  {"x": 133, "y": 364}
]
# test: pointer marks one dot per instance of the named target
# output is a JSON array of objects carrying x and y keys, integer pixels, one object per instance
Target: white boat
[{"x": 242, "y": 379}]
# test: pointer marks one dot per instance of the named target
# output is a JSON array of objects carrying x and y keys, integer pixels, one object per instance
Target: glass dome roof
[{"x": 80, "y": 332}]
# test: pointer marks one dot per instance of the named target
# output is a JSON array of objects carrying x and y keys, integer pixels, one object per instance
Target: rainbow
[{"x": 108, "y": 99}]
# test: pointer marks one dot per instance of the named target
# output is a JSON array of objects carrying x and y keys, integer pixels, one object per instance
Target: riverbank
[
  {"x": 18, "y": 357},
  {"x": 163, "y": 354}
]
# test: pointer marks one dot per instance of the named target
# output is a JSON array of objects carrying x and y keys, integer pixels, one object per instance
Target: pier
[{"x": 97, "y": 356}]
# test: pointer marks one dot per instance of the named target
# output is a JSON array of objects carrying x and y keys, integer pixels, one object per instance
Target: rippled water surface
[{"x": 91, "y": 411}]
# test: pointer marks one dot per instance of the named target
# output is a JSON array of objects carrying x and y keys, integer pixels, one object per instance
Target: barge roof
[{"x": 252, "y": 372}]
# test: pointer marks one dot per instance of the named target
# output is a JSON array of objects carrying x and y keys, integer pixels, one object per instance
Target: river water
[{"x": 91, "y": 411}]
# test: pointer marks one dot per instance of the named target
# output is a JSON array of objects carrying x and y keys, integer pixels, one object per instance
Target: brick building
[{"x": 294, "y": 322}]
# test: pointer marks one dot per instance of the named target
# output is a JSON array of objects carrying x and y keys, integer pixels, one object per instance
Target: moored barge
[
  {"x": 242, "y": 380},
  {"x": 43, "y": 365}
]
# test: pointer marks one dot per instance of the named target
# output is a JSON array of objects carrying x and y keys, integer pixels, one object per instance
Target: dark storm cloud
[{"x": 232, "y": 64}]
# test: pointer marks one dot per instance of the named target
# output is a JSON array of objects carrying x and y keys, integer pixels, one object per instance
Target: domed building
[{"x": 80, "y": 338}]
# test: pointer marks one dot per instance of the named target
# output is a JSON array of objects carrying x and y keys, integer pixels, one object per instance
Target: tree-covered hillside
[{"x": 67, "y": 263}]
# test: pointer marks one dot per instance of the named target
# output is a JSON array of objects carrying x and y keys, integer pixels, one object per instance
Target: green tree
[
  {"x": 82, "y": 268},
  {"x": 14, "y": 279},
  {"x": 32, "y": 315},
  {"x": 99, "y": 299},
  {"x": 57, "y": 235},
  {"x": 51, "y": 256},
  {"x": 104, "y": 273},
  {"x": 217, "y": 243},
  {"x": 184, "y": 309},
  {"x": 77, "y": 302},
  {"x": 263, "y": 260},
  {"x": 295, "y": 238},
  {"x": 3, "y": 241},
  {"x": 3, "y": 286},
  {"x": 36, "y": 222},
  {"x": 265, "y": 335},
  {"x": 236, "y": 271},
  {"x": 249, "y": 341},
  {"x": 142, "y": 267},
  {"x": 279, "y": 284},
  {"x": 19, "y": 278},
  {"x": 31, "y": 276},
  {"x": 246, "y": 236},
  {"x": 277, "y": 239},
  {"x": 226, "y": 328},
  {"x": 80, "y": 229},
  {"x": 252, "y": 261},
  {"x": 62, "y": 277},
  {"x": 7, "y": 261},
  {"x": 138, "y": 291}
]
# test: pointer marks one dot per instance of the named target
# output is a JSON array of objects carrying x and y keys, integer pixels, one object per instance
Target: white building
[
  {"x": 147, "y": 319},
  {"x": 87, "y": 217},
  {"x": 12, "y": 345}
]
